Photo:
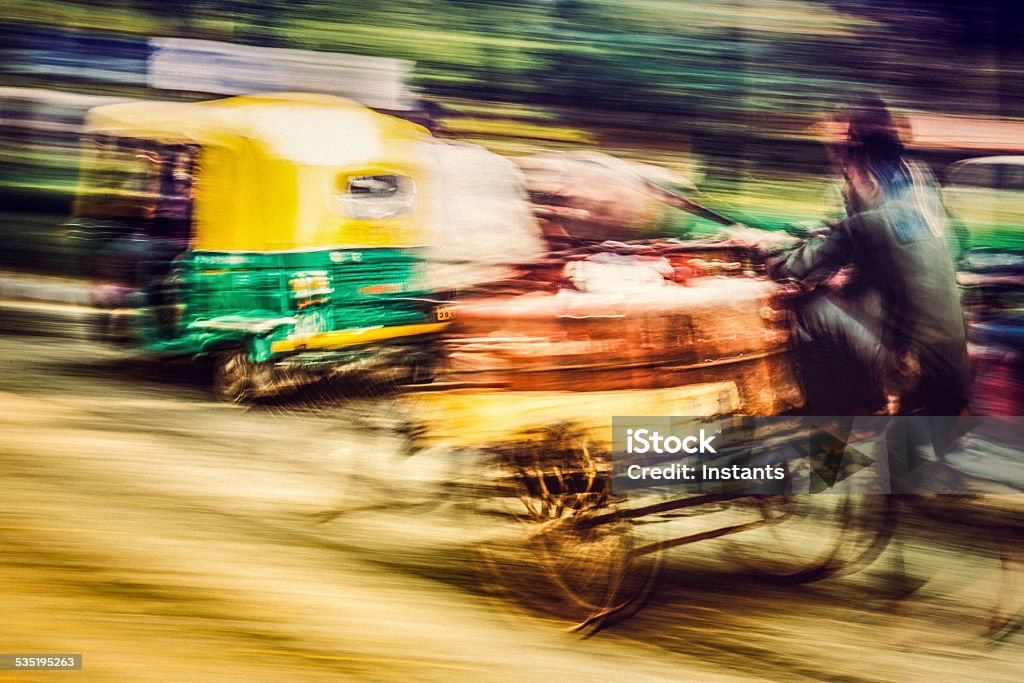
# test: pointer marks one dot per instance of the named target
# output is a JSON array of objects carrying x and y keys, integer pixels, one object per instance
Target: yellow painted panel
[
  {"x": 270, "y": 165},
  {"x": 476, "y": 417},
  {"x": 343, "y": 338}
]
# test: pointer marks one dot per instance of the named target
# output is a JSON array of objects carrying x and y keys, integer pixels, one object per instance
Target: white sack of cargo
[{"x": 479, "y": 216}]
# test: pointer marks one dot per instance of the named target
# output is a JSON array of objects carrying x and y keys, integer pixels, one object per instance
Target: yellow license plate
[{"x": 443, "y": 313}]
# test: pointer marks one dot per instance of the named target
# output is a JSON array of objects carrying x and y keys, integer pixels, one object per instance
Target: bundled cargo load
[
  {"x": 590, "y": 196},
  {"x": 691, "y": 328}
]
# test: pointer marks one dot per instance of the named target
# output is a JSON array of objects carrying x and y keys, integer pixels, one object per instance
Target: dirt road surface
[{"x": 165, "y": 536}]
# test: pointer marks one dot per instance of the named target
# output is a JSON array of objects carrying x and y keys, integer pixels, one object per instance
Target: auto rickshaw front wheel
[{"x": 236, "y": 378}]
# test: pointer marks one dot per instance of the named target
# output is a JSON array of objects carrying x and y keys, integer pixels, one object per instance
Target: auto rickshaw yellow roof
[{"x": 301, "y": 127}]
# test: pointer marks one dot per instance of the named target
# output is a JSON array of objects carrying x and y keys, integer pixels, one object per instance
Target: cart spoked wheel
[
  {"x": 814, "y": 537},
  {"x": 237, "y": 378},
  {"x": 560, "y": 549}
]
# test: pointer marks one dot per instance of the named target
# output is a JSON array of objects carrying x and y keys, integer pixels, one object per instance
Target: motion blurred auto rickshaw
[{"x": 279, "y": 234}]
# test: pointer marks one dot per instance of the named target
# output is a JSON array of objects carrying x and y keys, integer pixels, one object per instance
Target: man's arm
[{"x": 814, "y": 259}]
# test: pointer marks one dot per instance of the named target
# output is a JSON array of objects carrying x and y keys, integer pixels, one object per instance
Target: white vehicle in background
[{"x": 986, "y": 196}]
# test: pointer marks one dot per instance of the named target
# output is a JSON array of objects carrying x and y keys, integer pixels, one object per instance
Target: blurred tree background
[
  {"x": 737, "y": 83},
  {"x": 684, "y": 59},
  {"x": 723, "y": 74}
]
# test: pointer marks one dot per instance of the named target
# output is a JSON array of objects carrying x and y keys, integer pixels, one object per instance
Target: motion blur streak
[{"x": 168, "y": 536}]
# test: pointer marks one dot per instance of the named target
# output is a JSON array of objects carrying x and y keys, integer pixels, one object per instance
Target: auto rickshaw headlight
[{"x": 374, "y": 197}]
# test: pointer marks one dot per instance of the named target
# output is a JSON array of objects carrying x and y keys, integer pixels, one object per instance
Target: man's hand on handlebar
[{"x": 761, "y": 241}]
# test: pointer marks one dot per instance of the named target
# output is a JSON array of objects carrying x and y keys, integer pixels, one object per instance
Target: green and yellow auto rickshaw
[{"x": 280, "y": 234}]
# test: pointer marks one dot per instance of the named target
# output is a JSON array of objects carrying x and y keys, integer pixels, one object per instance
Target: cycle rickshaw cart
[
  {"x": 537, "y": 367},
  {"x": 538, "y": 364}
]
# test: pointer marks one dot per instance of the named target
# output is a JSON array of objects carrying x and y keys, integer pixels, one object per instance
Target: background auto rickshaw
[{"x": 280, "y": 233}]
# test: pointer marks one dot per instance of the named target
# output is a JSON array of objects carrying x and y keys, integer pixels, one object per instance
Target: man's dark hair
[{"x": 872, "y": 138}]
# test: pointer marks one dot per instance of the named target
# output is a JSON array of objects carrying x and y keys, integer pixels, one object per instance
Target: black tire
[
  {"x": 846, "y": 534},
  {"x": 237, "y": 379}
]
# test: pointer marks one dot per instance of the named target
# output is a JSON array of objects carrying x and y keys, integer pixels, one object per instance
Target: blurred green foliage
[
  {"x": 735, "y": 84},
  {"x": 697, "y": 61}
]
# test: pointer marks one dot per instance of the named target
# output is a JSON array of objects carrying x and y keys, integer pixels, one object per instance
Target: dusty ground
[{"x": 165, "y": 536}]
